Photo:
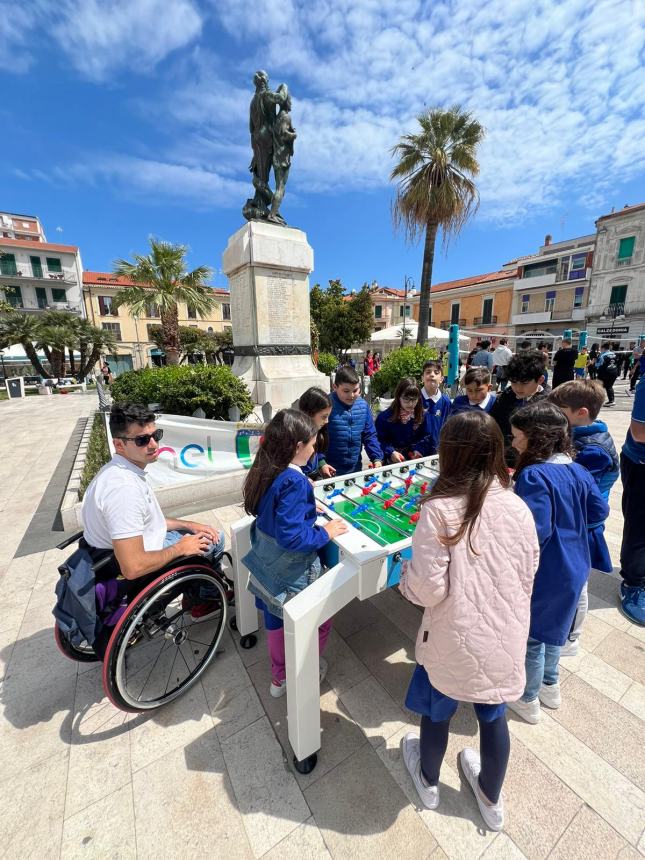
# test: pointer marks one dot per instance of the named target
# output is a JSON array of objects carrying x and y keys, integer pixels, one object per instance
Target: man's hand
[
  {"x": 327, "y": 471},
  {"x": 195, "y": 544},
  {"x": 199, "y": 528},
  {"x": 336, "y": 527},
  {"x": 396, "y": 457}
]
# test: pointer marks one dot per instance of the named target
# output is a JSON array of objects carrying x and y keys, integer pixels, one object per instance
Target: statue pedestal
[{"x": 268, "y": 273}]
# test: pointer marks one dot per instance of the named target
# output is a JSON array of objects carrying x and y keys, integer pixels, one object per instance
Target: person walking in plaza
[
  {"x": 285, "y": 539},
  {"x": 484, "y": 357},
  {"x": 607, "y": 371},
  {"x": 368, "y": 363},
  {"x": 632, "y": 550},
  {"x": 580, "y": 364},
  {"x": 377, "y": 362},
  {"x": 474, "y": 556},
  {"x": 401, "y": 428},
  {"x": 351, "y": 426},
  {"x": 565, "y": 501},
  {"x": 638, "y": 369},
  {"x": 594, "y": 352},
  {"x": 501, "y": 357},
  {"x": 563, "y": 363}
]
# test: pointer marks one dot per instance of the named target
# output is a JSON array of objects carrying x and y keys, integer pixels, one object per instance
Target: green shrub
[
  {"x": 180, "y": 390},
  {"x": 98, "y": 452},
  {"x": 327, "y": 363},
  {"x": 407, "y": 361}
]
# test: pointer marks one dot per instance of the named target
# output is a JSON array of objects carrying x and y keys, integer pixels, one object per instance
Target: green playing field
[{"x": 385, "y": 526}]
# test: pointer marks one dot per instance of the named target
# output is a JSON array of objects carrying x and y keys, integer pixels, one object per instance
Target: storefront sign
[{"x": 617, "y": 329}]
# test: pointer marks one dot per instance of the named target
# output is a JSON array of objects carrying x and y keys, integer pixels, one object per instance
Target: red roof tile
[
  {"x": 108, "y": 280},
  {"x": 473, "y": 280},
  {"x": 626, "y": 211},
  {"x": 40, "y": 246}
]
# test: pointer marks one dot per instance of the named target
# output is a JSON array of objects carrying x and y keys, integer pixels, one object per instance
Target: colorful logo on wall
[{"x": 192, "y": 455}]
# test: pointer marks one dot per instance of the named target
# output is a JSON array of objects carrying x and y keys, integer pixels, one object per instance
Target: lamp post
[
  {"x": 615, "y": 311},
  {"x": 407, "y": 281}
]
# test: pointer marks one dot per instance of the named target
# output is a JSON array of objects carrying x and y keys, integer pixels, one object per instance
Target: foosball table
[{"x": 381, "y": 507}]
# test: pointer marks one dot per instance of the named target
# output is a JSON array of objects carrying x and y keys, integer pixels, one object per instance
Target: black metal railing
[
  {"x": 445, "y": 324},
  {"x": 490, "y": 320}
]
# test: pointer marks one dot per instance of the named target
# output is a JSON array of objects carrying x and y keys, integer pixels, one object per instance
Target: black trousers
[
  {"x": 608, "y": 383},
  {"x": 632, "y": 551}
]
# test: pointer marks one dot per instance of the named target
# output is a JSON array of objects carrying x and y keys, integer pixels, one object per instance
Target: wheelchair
[{"x": 151, "y": 647}]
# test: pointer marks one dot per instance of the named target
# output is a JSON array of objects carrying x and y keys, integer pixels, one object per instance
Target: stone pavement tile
[
  {"x": 345, "y": 669},
  {"x": 184, "y": 806},
  {"x": 251, "y": 656},
  {"x": 361, "y": 812},
  {"x": 438, "y": 854},
  {"x": 403, "y": 614},
  {"x": 7, "y": 641},
  {"x": 268, "y": 797},
  {"x": 105, "y": 829},
  {"x": 601, "y": 675},
  {"x": 456, "y": 824},
  {"x": 233, "y": 702},
  {"x": 389, "y": 659},
  {"x": 374, "y": 710},
  {"x": 624, "y": 653},
  {"x": 303, "y": 843},
  {"x": 31, "y": 823},
  {"x": 600, "y": 785},
  {"x": 43, "y": 590},
  {"x": 14, "y": 611},
  {"x": 340, "y": 736},
  {"x": 603, "y": 585},
  {"x": 593, "y": 632},
  {"x": 354, "y": 616},
  {"x": 539, "y": 806},
  {"x": 99, "y": 761},
  {"x": 175, "y": 725},
  {"x": 605, "y": 727},
  {"x": 34, "y": 725},
  {"x": 589, "y": 837},
  {"x": 503, "y": 848},
  {"x": 608, "y": 612},
  {"x": 634, "y": 700}
]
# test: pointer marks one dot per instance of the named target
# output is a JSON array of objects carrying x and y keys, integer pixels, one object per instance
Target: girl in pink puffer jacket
[{"x": 474, "y": 556}]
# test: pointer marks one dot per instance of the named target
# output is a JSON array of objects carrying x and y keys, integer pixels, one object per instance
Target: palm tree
[
  {"x": 91, "y": 342},
  {"x": 25, "y": 330},
  {"x": 435, "y": 186},
  {"x": 161, "y": 279}
]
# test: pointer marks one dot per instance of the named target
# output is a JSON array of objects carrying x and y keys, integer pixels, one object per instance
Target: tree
[
  {"x": 341, "y": 320},
  {"x": 161, "y": 278},
  {"x": 91, "y": 341},
  {"x": 25, "y": 330},
  {"x": 435, "y": 186},
  {"x": 361, "y": 314}
]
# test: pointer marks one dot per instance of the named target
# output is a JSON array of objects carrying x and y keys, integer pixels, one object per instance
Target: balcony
[
  {"x": 31, "y": 305},
  {"x": 626, "y": 261},
  {"x": 26, "y": 273},
  {"x": 531, "y": 319},
  {"x": 492, "y": 320},
  {"x": 445, "y": 324},
  {"x": 532, "y": 283},
  {"x": 570, "y": 315}
]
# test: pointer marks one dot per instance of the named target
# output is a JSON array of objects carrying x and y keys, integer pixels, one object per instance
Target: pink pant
[{"x": 275, "y": 644}]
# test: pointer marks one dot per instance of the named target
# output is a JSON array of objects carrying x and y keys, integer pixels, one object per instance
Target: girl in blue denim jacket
[{"x": 285, "y": 539}]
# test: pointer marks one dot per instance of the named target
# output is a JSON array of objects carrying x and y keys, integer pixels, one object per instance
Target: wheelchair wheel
[
  {"x": 80, "y": 654},
  {"x": 158, "y": 649}
]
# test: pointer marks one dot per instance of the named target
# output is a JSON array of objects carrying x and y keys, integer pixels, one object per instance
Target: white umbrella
[{"x": 394, "y": 333}]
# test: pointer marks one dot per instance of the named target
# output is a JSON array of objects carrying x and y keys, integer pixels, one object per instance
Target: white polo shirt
[{"x": 119, "y": 504}]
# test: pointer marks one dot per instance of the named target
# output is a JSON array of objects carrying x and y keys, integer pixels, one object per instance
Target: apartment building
[
  {"x": 390, "y": 307},
  {"x": 616, "y": 309},
  {"x": 37, "y": 275},
  {"x": 135, "y": 349},
  {"x": 480, "y": 303}
]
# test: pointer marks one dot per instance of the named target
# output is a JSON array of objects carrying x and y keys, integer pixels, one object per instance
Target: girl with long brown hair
[
  {"x": 474, "y": 556},
  {"x": 401, "y": 428}
]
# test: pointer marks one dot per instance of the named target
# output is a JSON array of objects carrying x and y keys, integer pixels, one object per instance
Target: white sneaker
[
  {"x": 570, "y": 648},
  {"x": 471, "y": 766},
  {"x": 529, "y": 711},
  {"x": 428, "y": 794},
  {"x": 550, "y": 696},
  {"x": 278, "y": 690}
]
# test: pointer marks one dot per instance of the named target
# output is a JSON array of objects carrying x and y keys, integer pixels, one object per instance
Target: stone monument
[{"x": 268, "y": 264}]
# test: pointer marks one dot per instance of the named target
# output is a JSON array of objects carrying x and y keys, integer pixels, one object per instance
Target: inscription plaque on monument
[{"x": 280, "y": 307}]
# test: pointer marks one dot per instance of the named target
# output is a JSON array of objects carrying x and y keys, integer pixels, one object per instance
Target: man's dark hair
[
  {"x": 526, "y": 366},
  {"x": 484, "y": 344},
  {"x": 433, "y": 364},
  {"x": 123, "y": 415},
  {"x": 503, "y": 342},
  {"x": 477, "y": 376},
  {"x": 606, "y": 345},
  {"x": 526, "y": 344},
  {"x": 346, "y": 376}
]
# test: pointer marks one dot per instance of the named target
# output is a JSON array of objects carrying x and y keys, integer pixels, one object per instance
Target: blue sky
[{"x": 125, "y": 118}]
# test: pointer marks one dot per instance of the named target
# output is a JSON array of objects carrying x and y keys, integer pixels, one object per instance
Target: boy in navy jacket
[
  {"x": 477, "y": 383},
  {"x": 435, "y": 403},
  {"x": 351, "y": 426}
]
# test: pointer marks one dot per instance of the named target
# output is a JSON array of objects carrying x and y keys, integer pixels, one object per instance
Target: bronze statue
[{"x": 272, "y": 138}]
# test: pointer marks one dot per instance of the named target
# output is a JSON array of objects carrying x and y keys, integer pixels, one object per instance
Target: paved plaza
[{"x": 210, "y": 775}]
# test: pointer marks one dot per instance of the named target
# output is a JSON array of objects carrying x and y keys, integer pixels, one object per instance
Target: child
[
  {"x": 526, "y": 377},
  {"x": 436, "y": 404},
  {"x": 477, "y": 383},
  {"x": 580, "y": 364},
  {"x": 401, "y": 428},
  {"x": 581, "y": 401},
  {"x": 474, "y": 580},
  {"x": 351, "y": 426},
  {"x": 317, "y": 405},
  {"x": 285, "y": 538},
  {"x": 564, "y": 499}
]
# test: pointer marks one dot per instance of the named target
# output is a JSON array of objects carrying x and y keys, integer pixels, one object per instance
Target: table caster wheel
[
  {"x": 307, "y": 764},
  {"x": 249, "y": 641},
  {"x": 233, "y": 623}
]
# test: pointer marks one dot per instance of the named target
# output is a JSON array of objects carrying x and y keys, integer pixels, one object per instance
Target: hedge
[
  {"x": 407, "y": 361},
  {"x": 182, "y": 389},
  {"x": 98, "y": 452},
  {"x": 327, "y": 363}
]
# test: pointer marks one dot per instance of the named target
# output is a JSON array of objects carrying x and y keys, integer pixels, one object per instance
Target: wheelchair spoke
[{"x": 164, "y": 648}]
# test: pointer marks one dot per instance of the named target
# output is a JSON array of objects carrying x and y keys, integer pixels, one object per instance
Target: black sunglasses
[{"x": 143, "y": 439}]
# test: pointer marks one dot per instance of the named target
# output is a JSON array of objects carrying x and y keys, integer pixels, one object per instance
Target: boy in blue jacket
[
  {"x": 351, "y": 426},
  {"x": 435, "y": 403},
  {"x": 477, "y": 383}
]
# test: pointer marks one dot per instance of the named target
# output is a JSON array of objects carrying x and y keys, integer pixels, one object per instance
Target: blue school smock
[
  {"x": 436, "y": 415},
  {"x": 396, "y": 436},
  {"x": 463, "y": 404},
  {"x": 350, "y": 429},
  {"x": 314, "y": 465},
  {"x": 564, "y": 501},
  {"x": 287, "y": 513}
]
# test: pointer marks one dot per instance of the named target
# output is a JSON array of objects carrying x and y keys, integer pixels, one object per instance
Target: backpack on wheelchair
[{"x": 152, "y": 643}]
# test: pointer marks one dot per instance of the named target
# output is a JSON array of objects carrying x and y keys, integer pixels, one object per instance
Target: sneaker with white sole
[
  {"x": 550, "y": 696},
  {"x": 529, "y": 711},
  {"x": 570, "y": 648},
  {"x": 493, "y": 815},
  {"x": 410, "y": 750},
  {"x": 279, "y": 688}
]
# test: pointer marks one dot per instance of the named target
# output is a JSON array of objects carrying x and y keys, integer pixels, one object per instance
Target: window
[
  {"x": 525, "y": 304},
  {"x": 626, "y": 250},
  {"x": 430, "y": 315},
  {"x": 407, "y": 310},
  {"x": 487, "y": 312},
  {"x": 59, "y": 295},
  {"x": 226, "y": 311},
  {"x": 152, "y": 310},
  {"x": 53, "y": 265},
  {"x": 36, "y": 267},
  {"x": 150, "y": 327},
  {"x": 105, "y": 307},
  {"x": 378, "y": 311},
  {"x": 454, "y": 313},
  {"x": 209, "y": 329},
  {"x": 536, "y": 270},
  {"x": 549, "y": 301},
  {"x": 192, "y": 313},
  {"x": 618, "y": 295},
  {"x": 7, "y": 264},
  {"x": 578, "y": 262},
  {"x": 115, "y": 328},
  {"x": 577, "y": 299},
  {"x": 13, "y": 295}
]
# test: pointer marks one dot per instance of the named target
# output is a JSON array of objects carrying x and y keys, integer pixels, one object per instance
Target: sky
[{"x": 123, "y": 119}]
